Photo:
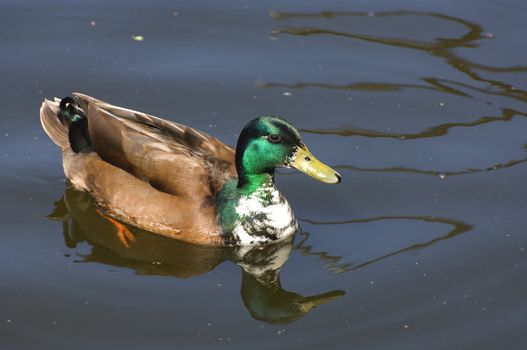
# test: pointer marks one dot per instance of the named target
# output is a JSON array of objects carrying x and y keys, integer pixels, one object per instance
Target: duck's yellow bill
[{"x": 308, "y": 164}]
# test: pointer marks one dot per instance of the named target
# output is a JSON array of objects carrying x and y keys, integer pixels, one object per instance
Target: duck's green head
[{"x": 267, "y": 143}]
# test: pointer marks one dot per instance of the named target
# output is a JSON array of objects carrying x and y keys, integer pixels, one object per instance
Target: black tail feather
[
  {"x": 72, "y": 115},
  {"x": 69, "y": 111}
]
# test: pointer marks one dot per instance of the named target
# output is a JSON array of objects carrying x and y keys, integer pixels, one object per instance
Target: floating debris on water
[
  {"x": 287, "y": 93},
  {"x": 274, "y": 14},
  {"x": 93, "y": 23},
  {"x": 138, "y": 37},
  {"x": 442, "y": 176}
]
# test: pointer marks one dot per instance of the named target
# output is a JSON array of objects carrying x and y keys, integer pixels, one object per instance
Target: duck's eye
[{"x": 274, "y": 138}]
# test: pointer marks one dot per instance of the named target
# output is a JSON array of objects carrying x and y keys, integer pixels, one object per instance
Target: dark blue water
[{"x": 421, "y": 106}]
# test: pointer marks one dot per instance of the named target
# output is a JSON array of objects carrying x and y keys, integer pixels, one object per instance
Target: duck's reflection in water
[
  {"x": 151, "y": 254},
  {"x": 262, "y": 292}
]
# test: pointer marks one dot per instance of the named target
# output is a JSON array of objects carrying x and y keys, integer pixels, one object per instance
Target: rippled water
[{"x": 420, "y": 105}]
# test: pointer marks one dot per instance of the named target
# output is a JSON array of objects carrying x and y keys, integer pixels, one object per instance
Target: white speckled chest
[{"x": 265, "y": 216}]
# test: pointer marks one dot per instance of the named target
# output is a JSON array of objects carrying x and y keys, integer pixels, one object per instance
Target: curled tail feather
[
  {"x": 66, "y": 124},
  {"x": 69, "y": 111}
]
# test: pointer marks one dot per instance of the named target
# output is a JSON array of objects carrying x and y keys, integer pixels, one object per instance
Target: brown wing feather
[{"x": 173, "y": 158}]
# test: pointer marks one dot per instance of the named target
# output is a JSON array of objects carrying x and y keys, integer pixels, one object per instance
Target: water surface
[{"x": 421, "y": 106}]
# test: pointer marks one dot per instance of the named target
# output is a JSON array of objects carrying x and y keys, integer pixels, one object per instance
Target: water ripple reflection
[
  {"x": 334, "y": 262},
  {"x": 441, "y": 47},
  {"x": 507, "y": 114}
]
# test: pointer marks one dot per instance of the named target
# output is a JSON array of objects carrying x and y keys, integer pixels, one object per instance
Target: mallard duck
[{"x": 176, "y": 181}]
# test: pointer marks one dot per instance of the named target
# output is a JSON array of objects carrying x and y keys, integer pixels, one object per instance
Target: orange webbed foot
[{"x": 123, "y": 233}]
